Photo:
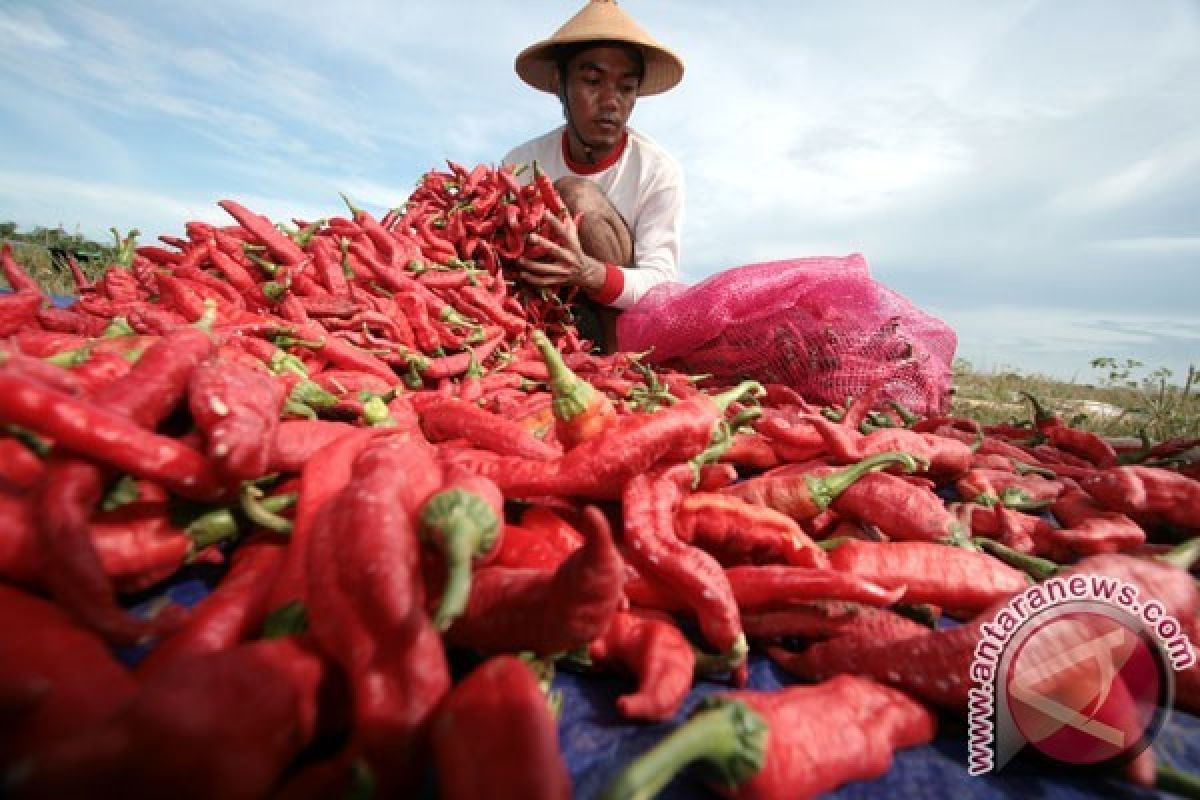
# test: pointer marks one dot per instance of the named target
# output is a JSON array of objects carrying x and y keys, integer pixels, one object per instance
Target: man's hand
[{"x": 564, "y": 262}]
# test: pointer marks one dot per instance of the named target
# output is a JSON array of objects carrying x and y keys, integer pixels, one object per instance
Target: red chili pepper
[
  {"x": 82, "y": 283},
  {"x": 1146, "y": 489},
  {"x": 67, "y": 321},
  {"x": 752, "y": 451},
  {"x": 546, "y": 612},
  {"x": 20, "y": 466},
  {"x": 238, "y": 275},
  {"x": 738, "y": 532},
  {"x": 100, "y": 369},
  {"x": 1085, "y": 444},
  {"x": 18, "y": 311},
  {"x": 776, "y": 586},
  {"x": 946, "y": 457},
  {"x": 223, "y": 290},
  {"x": 933, "y": 666},
  {"x": 519, "y": 548},
  {"x": 16, "y": 275},
  {"x": 450, "y": 418},
  {"x": 828, "y": 620},
  {"x": 138, "y": 546},
  {"x": 581, "y": 412},
  {"x": 651, "y": 647},
  {"x": 281, "y": 248},
  {"x": 176, "y": 295},
  {"x": 991, "y": 486},
  {"x": 258, "y": 701},
  {"x": 899, "y": 509},
  {"x": 237, "y": 408},
  {"x": 494, "y": 736},
  {"x": 345, "y": 355},
  {"x": 798, "y": 742},
  {"x": 949, "y": 577},
  {"x": 231, "y": 614},
  {"x": 97, "y": 432},
  {"x": 649, "y": 506},
  {"x": 547, "y": 191},
  {"x": 1088, "y": 529},
  {"x": 322, "y": 477},
  {"x": 464, "y": 522},
  {"x": 1027, "y": 533},
  {"x": 297, "y": 441},
  {"x": 56, "y": 678},
  {"x": 455, "y": 365},
  {"x": 551, "y": 526},
  {"x": 803, "y": 495},
  {"x": 366, "y": 610},
  {"x": 600, "y": 467}
]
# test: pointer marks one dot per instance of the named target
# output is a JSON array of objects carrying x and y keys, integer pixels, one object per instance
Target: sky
[{"x": 1026, "y": 170}]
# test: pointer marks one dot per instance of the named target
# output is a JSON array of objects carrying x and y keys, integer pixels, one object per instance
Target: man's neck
[
  {"x": 584, "y": 160},
  {"x": 585, "y": 154}
]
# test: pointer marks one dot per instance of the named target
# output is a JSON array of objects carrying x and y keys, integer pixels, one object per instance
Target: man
[{"x": 628, "y": 189}]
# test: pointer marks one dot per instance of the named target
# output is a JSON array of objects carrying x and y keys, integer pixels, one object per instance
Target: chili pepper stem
[
  {"x": 462, "y": 525},
  {"x": 258, "y": 511},
  {"x": 1176, "y": 781},
  {"x": 211, "y": 528},
  {"x": 1183, "y": 555},
  {"x": 1037, "y": 568},
  {"x": 571, "y": 394},
  {"x": 825, "y": 490},
  {"x": 708, "y": 664},
  {"x": 731, "y": 738},
  {"x": 727, "y": 398}
]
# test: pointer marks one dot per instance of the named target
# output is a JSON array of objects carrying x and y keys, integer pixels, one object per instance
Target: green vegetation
[
  {"x": 1124, "y": 401},
  {"x": 44, "y": 252}
]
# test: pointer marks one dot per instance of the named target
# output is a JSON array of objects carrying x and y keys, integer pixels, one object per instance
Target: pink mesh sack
[{"x": 822, "y": 326}]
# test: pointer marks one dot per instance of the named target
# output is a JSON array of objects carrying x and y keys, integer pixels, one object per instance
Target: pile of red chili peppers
[{"x": 392, "y": 455}]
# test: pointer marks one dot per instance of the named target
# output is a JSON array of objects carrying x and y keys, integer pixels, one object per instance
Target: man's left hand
[{"x": 564, "y": 262}]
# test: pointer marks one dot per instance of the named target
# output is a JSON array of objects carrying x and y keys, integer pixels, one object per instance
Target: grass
[
  {"x": 1122, "y": 403},
  {"x": 43, "y": 253}
]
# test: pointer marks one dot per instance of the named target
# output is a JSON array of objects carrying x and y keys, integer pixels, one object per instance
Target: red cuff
[{"x": 614, "y": 284}]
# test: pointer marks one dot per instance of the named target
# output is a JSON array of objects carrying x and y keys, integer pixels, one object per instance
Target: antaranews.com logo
[{"x": 1079, "y": 668}]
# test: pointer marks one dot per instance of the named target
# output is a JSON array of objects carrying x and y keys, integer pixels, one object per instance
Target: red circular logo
[{"x": 1085, "y": 688}]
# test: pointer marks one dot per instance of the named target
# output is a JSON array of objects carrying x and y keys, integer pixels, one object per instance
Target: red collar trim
[{"x": 599, "y": 166}]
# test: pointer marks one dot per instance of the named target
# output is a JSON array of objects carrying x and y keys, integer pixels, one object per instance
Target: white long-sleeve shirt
[{"x": 645, "y": 184}]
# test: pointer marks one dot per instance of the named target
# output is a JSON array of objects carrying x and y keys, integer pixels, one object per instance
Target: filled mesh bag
[{"x": 820, "y": 325}]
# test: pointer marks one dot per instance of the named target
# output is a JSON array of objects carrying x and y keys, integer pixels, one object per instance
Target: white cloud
[
  {"x": 28, "y": 27},
  {"x": 1152, "y": 244}
]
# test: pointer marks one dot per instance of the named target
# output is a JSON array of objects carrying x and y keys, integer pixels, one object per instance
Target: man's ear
[{"x": 556, "y": 82}]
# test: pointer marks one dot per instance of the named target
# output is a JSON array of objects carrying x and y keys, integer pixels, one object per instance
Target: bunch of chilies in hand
[{"x": 399, "y": 458}]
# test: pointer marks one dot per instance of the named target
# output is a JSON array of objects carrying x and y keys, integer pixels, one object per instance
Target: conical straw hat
[{"x": 601, "y": 20}]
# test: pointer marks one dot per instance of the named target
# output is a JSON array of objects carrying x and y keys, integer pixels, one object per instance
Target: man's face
[{"x": 602, "y": 84}]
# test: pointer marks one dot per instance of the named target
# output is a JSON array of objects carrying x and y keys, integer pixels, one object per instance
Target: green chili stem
[
  {"x": 731, "y": 736},
  {"x": 1176, "y": 781},
  {"x": 709, "y": 664},
  {"x": 1183, "y": 555},
  {"x": 263, "y": 513},
  {"x": 1037, "y": 568},
  {"x": 825, "y": 489},
  {"x": 463, "y": 526},
  {"x": 727, "y": 398},
  {"x": 1023, "y": 468},
  {"x": 572, "y": 394},
  {"x": 287, "y": 620},
  {"x": 213, "y": 527}
]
